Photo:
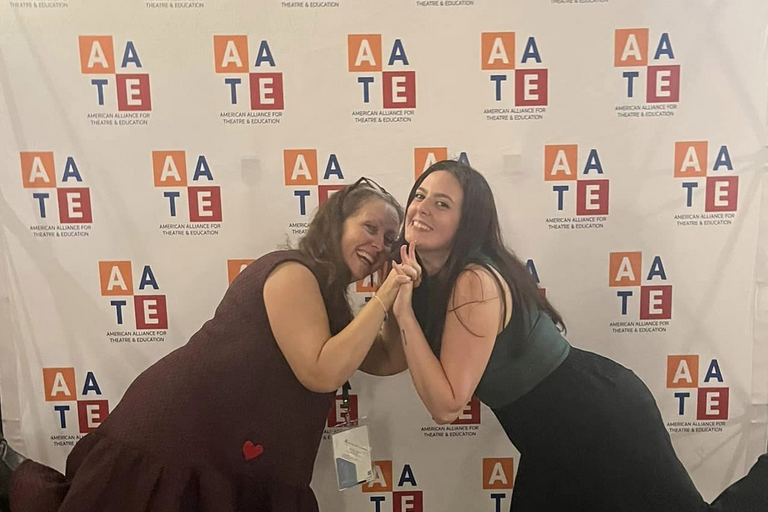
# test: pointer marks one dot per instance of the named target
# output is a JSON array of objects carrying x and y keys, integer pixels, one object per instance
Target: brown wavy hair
[{"x": 322, "y": 246}]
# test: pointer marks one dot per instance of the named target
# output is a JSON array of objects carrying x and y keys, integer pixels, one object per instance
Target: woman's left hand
[
  {"x": 403, "y": 302},
  {"x": 408, "y": 257}
]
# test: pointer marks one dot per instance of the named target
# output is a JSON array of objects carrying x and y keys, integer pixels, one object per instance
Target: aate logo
[
  {"x": 423, "y": 158},
  {"x": 662, "y": 78},
  {"x": 235, "y": 267},
  {"x": 398, "y": 89},
  {"x": 39, "y": 174},
  {"x": 338, "y": 413},
  {"x": 301, "y": 171},
  {"x": 60, "y": 387},
  {"x": 498, "y": 476},
  {"x": 683, "y": 373},
  {"x": 498, "y": 55},
  {"x": 116, "y": 280},
  {"x": 691, "y": 166},
  {"x": 626, "y": 272},
  {"x": 170, "y": 171},
  {"x": 561, "y": 166},
  {"x": 265, "y": 89},
  {"x": 406, "y": 499},
  {"x": 97, "y": 57}
]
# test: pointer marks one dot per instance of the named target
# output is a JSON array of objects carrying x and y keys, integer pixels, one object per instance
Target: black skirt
[{"x": 592, "y": 439}]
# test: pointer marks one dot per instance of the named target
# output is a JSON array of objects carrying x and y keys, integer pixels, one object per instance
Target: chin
[
  {"x": 358, "y": 274},
  {"x": 363, "y": 272},
  {"x": 422, "y": 242}
]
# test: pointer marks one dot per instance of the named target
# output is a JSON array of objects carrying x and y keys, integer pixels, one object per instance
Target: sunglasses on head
[
  {"x": 366, "y": 182},
  {"x": 369, "y": 183}
]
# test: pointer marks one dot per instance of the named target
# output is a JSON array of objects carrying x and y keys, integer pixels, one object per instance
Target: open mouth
[
  {"x": 421, "y": 226},
  {"x": 366, "y": 258}
]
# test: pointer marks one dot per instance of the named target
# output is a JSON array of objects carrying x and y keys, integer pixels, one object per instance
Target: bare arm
[
  {"x": 299, "y": 322},
  {"x": 446, "y": 384}
]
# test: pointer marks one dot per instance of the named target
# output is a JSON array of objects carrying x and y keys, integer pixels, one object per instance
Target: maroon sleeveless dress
[{"x": 220, "y": 424}]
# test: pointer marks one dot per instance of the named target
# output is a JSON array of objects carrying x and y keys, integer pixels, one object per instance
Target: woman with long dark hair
[
  {"x": 589, "y": 432},
  {"x": 232, "y": 421}
]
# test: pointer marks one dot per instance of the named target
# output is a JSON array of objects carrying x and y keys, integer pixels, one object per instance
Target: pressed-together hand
[
  {"x": 387, "y": 292},
  {"x": 408, "y": 257},
  {"x": 411, "y": 268}
]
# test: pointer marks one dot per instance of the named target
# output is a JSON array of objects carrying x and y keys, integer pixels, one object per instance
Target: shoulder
[
  {"x": 291, "y": 274},
  {"x": 288, "y": 262},
  {"x": 475, "y": 283},
  {"x": 276, "y": 257}
]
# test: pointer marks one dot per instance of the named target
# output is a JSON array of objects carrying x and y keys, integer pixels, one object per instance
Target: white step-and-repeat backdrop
[{"x": 150, "y": 149}]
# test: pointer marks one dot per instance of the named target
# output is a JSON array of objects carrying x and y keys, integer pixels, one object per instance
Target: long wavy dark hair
[
  {"x": 478, "y": 240},
  {"x": 322, "y": 246}
]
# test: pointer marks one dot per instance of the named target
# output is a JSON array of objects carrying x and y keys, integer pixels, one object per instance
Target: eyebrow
[
  {"x": 374, "y": 220},
  {"x": 445, "y": 196}
]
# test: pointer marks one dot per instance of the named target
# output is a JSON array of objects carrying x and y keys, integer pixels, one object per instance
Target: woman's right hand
[
  {"x": 387, "y": 291},
  {"x": 409, "y": 269}
]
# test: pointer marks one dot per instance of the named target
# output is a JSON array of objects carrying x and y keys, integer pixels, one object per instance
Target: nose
[
  {"x": 422, "y": 208},
  {"x": 377, "y": 242}
]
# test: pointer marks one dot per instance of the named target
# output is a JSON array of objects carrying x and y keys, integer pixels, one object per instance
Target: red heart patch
[{"x": 251, "y": 451}]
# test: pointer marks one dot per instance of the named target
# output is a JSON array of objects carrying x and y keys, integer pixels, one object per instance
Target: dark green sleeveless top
[{"x": 524, "y": 354}]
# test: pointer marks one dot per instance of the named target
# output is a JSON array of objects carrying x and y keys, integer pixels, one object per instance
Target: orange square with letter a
[
  {"x": 498, "y": 50},
  {"x": 691, "y": 159},
  {"x": 560, "y": 161},
  {"x": 382, "y": 477},
  {"x": 116, "y": 278},
  {"x": 97, "y": 55},
  {"x": 364, "y": 52},
  {"x": 682, "y": 371},
  {"x": 370, "y": 284},
  {"x": 59, "y": 384},
  {"x": 625, "y": 269},
  {"x": 423, "y": 158},
  {"x": 630, "y": 47},
  {"x": 230, "y": 54},
  {"x": 37, "y": 170},
  {"x": 234, "y": 267},
  {"x": 498, "y": 473},
  {"x": 169, "y": 168},
  {"x": 300, "y": 166}
]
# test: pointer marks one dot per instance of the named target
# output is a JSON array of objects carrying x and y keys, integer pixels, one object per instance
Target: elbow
[
  {"x": 445, "y": 418},
  {"x": 324, "y": 387},
  {"x": 319, "y": 383},
  {"x": 447, "y": 415}
]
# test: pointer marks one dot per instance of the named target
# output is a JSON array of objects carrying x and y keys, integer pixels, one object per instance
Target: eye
[
  {"x": 371, "y": 229},
  {"x": 419, "y": 196},
  {"x": 389, "y": 240},
  {"x": 443, "y": 204}
]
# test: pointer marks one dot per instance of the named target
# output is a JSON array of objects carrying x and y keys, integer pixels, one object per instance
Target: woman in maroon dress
[{"x": 232, "y": 421}]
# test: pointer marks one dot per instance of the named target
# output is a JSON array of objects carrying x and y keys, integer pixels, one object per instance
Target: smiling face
[
  {"x": 367, "y": 237},
  {"x": 433, "y": 216}
]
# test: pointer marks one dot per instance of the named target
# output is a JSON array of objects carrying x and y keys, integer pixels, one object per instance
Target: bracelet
[{"x": 386, "y": 313}]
